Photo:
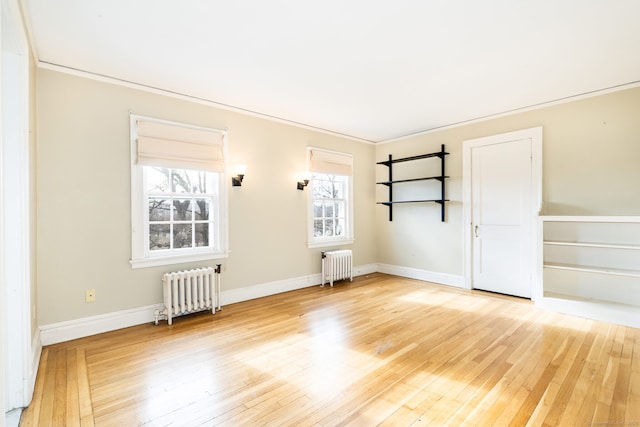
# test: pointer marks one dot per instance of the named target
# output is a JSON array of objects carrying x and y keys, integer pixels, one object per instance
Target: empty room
[{"x": 320, "y": 214}]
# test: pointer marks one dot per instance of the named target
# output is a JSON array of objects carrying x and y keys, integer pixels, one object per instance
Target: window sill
[
  {"x": 175, "y": 259},
  {"x": 331, "y": 242}
]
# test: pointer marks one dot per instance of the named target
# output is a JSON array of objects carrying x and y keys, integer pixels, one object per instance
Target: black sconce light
[
  {"x": 236, "y": 181},
  {"x": 305, "y": 181}
]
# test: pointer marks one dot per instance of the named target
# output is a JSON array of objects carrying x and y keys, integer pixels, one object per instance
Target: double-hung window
[
  {"x": 331, "y": 206},
  {"x": 178, "y": 200},
  {"x": 182, "y": 207}
]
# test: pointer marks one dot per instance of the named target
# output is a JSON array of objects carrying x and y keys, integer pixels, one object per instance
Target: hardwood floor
[{"x": 382, "y": 350}]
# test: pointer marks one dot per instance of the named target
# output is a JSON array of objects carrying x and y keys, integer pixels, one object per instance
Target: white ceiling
[{"x": 371, "y": 69}]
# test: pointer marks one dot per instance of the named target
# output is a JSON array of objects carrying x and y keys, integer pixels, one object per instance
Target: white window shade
[
  {"x": 174, "y": 146},
  {"x": 331, "y": 162}
]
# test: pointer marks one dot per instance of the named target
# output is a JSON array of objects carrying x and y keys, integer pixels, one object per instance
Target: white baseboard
[
  {"x": 270, "y": 288},
  {"x": 362, "y": 270},
  {"x": 424, "y": 275},
  {"x": 619, "y": 314},
  {"x": 79, "y": 328}
]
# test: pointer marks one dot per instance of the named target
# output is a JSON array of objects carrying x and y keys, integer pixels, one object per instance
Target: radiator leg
[
  {"x": 160, "y": 315},
  {"x": 218, "y": 286},
  {"x": 332, "y": 269},
  {"x": 214, "y": 293}
]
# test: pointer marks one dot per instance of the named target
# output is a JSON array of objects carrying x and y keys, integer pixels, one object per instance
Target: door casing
[{"x": 535, "y": 135}]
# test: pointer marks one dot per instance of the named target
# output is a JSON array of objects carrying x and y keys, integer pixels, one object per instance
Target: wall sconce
[
  {"x": 305, "y": 180},
  {"x": 236, "y": 181}
]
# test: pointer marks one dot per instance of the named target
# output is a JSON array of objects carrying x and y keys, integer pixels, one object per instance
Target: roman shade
[
  {"x": 332, "y": 162},
  {"x": 181, "y": 147}
]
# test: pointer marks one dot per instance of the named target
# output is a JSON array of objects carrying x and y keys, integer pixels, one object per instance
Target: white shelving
[
  {"x": 599, "y": 270},
  {"x": 591, "y": 267},
  {"x": 592, "y": 245}
]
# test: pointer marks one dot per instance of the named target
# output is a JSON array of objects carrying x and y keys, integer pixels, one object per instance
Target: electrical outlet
[{"x": 90, "y": 295}]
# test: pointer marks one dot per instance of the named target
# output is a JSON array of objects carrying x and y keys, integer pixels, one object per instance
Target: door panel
[{"x": 501, "y": 209}]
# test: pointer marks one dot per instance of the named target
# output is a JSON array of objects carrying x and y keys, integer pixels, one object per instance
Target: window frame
[
  {"x": 348, "y": 237},
  {"x": 141, "y": 255}
]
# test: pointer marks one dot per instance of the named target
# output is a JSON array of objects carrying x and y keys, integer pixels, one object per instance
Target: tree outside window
[
  {"x": 179, "y": 208},
  {"x": 329, "y": 205}
]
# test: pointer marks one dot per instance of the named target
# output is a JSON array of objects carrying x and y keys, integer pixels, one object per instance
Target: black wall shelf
[{"x": 390, "y": 182}]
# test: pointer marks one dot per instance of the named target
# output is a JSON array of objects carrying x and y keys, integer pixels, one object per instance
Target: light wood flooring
[{"x": 382, "y": 350}]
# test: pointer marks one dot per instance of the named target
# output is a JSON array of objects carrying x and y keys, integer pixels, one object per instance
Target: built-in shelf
[
  {"x": 391, "y": 182},
  {"x": 599, "y": 270},
  {"x": 574, "y": 298},
  {"x": 592, "y": 245},
  {"x": 590, "y": 266},
  {"x": 577, "y": 300}
]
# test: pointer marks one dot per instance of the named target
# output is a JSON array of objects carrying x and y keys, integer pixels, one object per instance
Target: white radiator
[
  {"x": 190, "y": 291},
  {"x": 336, "y": 265}
]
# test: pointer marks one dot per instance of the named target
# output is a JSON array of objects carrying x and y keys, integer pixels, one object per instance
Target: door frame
[
  {"x": 535, "y": 135},
  {"x": 18, "y": 358}
]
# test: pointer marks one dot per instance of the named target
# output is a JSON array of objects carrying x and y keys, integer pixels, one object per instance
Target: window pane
[
  {"x": 322, "y": 186},
  {"x": 202, "y": 235},
  {"x": 338, "y": 188},
  {"x": 182, "y": 236},
  {"x": 328, "y": 189},
  {"x": 317, "y": 189},
  {"x": 318, "y": 211},
  {"x": 340, "y": 227},
  {"x": 157, "y": 179},
  {"x": 159, "y": 210},
  {"x": 318, "y": 230},
  {"x": 201, "y": 209},
  {"x": 329, "y": 210},
  {"x": 340, "y": 210},
  {"x": 159, "y": 236},
  {"x": 182, "y": 210},
  {"x": 199, "y": 182},
  {"x": 181, "y": 181},
  {"x": 328, "y": 228}
]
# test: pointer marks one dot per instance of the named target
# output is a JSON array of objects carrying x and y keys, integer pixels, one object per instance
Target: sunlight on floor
[
  {"x": 479, "y": 303},
  {"x": 318, "y": 361},
  {"x": 431, "y": 298},
  {"x": 325, "y": 362},
  {"x": 178, "y": 389}
]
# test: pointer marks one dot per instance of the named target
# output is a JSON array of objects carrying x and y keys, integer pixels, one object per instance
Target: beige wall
[
  {"x": 591, "y": 149},
  {"x": 83, "y": 172},
  {"x": 591, "y": 166}
]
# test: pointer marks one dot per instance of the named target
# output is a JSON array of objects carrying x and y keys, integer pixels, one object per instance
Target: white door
[{"x": 502, "y": 216}]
